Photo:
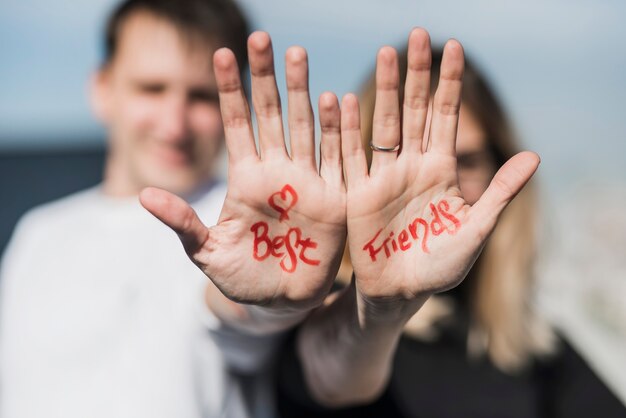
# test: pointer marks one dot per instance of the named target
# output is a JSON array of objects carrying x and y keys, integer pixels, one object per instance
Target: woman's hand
[{"x": 411, "y": 233}]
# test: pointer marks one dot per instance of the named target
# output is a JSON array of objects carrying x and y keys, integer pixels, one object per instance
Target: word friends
[{"x": 416, "y": 230}]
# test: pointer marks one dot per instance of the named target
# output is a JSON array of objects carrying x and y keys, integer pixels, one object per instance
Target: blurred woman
[{"x": 479, "y": 349}]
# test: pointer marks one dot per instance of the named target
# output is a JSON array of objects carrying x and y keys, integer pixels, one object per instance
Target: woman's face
[{"x": 475, "y": 164}]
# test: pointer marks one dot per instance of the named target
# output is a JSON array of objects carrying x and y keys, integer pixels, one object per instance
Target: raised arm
[
  {"x": 276, "y": 248},
  {"x": 410, "y": 232}
]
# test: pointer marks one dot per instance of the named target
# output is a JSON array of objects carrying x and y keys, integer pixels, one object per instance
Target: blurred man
[{"x": 102, "y": 314}]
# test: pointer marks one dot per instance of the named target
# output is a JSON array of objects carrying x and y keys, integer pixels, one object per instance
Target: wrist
[
  {"x": 266, "y": 320},
  {"x": 251, "y": 319},
  {"x": 385, "y": 311},
  {"x": 340, "y": 341}
]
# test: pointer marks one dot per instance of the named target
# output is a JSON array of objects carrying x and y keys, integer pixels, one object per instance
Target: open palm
[
  {"x": 282, "y": 228},
  {"x": 410, "y": 231}
]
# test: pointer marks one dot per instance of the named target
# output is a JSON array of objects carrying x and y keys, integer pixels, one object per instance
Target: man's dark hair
[{"x": 219, "y": 22}]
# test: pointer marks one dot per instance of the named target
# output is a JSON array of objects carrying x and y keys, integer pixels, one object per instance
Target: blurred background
[{"x": 559, "y": 66}]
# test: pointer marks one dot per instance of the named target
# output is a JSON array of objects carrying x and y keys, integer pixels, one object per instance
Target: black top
[{"x": 438, "y": 380}]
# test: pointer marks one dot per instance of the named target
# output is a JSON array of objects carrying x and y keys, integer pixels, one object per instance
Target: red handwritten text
[
  {"x": 416, "y": 230},
  {"x": 289, "y": 247}
]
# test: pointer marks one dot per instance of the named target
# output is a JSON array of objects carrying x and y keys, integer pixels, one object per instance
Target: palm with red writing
[
  {"x": 410, "y": 232},
  {"x": 282, "y": 228}
]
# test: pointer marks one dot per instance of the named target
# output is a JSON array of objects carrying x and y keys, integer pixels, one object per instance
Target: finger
[
  {"x": 301, "y": 126},
  {"x": 265, "y": 98},
  {"x": 386, "y": 122},
  {"x": 447, "y": 101},
  {"x": 416, "y": 91},
  {"x": 233, "y": 107},
  {"x": 179, "y": 216},
  {"x": 354, "y": 161},
  {"x": 330, "y": 146},
  {"x": 506, "y": 184}
]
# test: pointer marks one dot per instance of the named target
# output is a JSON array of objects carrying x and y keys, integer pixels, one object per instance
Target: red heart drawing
[{"x": 283, "y": 201}]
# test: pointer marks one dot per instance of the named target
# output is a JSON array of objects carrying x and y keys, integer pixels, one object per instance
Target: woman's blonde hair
[{"x": 503, "y": 322}]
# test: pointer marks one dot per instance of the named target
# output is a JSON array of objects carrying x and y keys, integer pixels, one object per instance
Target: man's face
[{"x": 158, "y": 99}]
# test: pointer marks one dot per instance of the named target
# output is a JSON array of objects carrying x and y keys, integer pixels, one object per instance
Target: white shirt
[{"x": 103, "y": 315}]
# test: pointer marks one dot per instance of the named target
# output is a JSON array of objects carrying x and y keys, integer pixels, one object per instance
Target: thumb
[
  {"x": 506, "y": 184},
  {"x": 178, "y": 215}
]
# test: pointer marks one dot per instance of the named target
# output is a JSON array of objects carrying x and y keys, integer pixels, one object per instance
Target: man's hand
[
  {"x": 281, "y": 232},
  {"x": 411, "y": 233}
]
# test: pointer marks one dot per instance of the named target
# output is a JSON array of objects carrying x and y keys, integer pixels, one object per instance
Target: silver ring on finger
[{"x": 375, "y": 147}]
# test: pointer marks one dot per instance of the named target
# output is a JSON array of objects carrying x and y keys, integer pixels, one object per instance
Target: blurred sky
[{"x": 559, "y": 66}]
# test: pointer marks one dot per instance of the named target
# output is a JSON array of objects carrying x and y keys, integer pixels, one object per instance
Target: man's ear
[{"x": 100, "y": 95}]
